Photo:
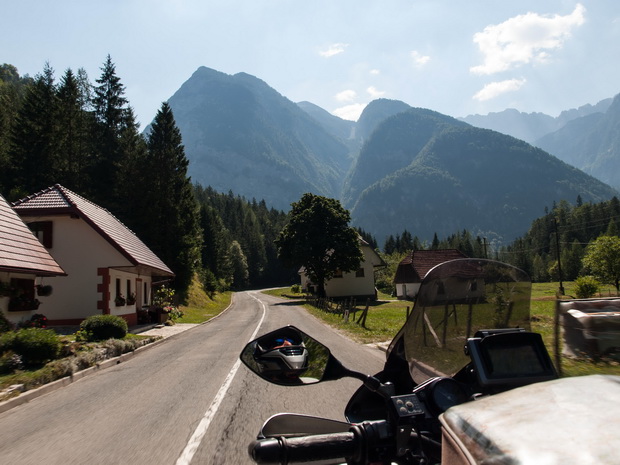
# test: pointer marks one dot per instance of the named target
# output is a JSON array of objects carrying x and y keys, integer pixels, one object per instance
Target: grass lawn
[
  {"x": 386, "y": 316},
  {"x": 203, "y": 309}
]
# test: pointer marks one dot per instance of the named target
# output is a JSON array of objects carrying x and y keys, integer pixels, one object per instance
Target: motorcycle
[{"x": 465, "y": 382}]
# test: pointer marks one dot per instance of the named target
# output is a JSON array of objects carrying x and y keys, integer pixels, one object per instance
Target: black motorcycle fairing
[{"x": 368, "y": 405}]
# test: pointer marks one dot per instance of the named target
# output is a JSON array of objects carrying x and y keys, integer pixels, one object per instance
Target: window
[
  {"x": 22, "y": 295},
  {"x": 145, "y": 295},
  {"x": 359, "y": 273},
  {"x": 128, "y": 287},
  {"x": 118, "y": 287},
  {"x": 43, "y": 231}
]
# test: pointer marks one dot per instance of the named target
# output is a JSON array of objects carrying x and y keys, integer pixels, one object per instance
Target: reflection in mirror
[{"x": 287, "y": 356}]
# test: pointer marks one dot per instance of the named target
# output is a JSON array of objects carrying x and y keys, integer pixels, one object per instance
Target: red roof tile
[
  {"x": 20, "y": 250},
  {"x": 58, "y": 199},
  {"x": 419, "y": 262}
]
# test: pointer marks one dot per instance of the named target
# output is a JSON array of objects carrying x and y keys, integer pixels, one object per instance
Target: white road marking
[{"x": 203, "y": 426}]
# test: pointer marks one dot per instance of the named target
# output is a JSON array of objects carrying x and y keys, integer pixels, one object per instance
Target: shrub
[
  {"x": 36, "y": 346},
  {"x": 6, "y": 341},
  {"x": 9, "y": 362},
  {"x": 296, "y": 289},
  {"x": 38, "y": 320},
  {"x": 101, "y": 327},
  {"x": 5, "y": 324},
  {"x": 586, "y": 286}
]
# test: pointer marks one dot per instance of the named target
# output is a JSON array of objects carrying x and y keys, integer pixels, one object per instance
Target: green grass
[
  {"x": 199, "y": 312},
  {"x": 386, "y": 316},
  {"x": 200, "y": 307}
]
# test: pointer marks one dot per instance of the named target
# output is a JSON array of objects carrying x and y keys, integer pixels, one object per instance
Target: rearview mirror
[{"x": 287, "y": 356}]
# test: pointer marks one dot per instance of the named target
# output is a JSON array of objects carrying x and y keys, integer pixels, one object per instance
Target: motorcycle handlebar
[{"x": 283, "y": 450}]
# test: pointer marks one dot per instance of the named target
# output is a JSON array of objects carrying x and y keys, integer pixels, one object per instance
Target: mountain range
[
  {"x": 396, "y": 168},
  {"x": 587, "y": 137}
]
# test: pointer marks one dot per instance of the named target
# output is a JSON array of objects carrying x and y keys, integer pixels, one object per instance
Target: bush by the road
[
  {"x": 101, "y": 327},
  {"x": 586, "y": 287},
  {"x": 35, "y": 346}
]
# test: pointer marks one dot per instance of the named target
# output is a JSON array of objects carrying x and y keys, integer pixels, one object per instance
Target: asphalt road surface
[{"x": 187, "y": 400}]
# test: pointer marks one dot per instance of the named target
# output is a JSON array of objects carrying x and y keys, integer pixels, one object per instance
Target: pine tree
[
  {"x": 237, "y": 266},
  {"x": 110, "y": 108},
  {"x": 215, "y": 241},
  {"x": 34, "y": 148},
  {"x": 75, "y": 120},
  {"x": 169, "y": 211},
  {"x": 12, "y": 90}
]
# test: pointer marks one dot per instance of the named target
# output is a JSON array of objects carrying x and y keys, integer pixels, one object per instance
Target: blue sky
[{"x": 455, "y": 57}]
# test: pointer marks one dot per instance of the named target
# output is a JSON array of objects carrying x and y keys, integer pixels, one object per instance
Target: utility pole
[{"x": 557, "y": 251}]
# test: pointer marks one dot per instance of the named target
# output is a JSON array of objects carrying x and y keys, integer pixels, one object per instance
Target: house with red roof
[
  {"x": 412, "y": 269},
  {"x": 109, "y": 269},
  {"x": 24, "y": 264}
]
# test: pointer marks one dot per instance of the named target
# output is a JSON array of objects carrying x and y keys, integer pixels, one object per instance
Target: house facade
[
  {"x": 358, "y": 284},
  {"x": 24, "y": 266},
  {"x": 412, "y": 269},
  {"x": 109, "y": 269}
]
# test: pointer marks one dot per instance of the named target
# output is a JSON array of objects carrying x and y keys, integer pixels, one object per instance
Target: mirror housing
[{"x": 289, "y": 357}]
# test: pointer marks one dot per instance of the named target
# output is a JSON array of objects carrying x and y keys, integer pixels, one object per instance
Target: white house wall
[
  {"x": 135, "y": 282},
  {"x": 350, "y": 284},
  {"x": 80, "y": 251},
  {"x": 407, "y": 290}
]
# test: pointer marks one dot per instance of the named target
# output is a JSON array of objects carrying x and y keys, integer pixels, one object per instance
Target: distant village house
[
  {"x": 412, "y": 269},
  {"x": 358, "y": 284}
]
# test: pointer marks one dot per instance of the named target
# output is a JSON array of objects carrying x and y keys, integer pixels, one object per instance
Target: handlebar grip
[{"x": 283, "y": 450}]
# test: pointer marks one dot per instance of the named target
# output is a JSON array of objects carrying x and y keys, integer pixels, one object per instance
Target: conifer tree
[
  {"x": 34, "y": 148},
  {"x": 215, "y": 241},
  {"x": 12, "y": 90},
  {"x": 169, "y": 212},
  {"x": 74, "y": 142},
  {"x": 111, "y": 112}
]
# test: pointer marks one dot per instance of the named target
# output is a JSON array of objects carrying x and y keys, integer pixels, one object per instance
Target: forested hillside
[
  {"x": 567, "y": 229},
  {"x": 429, "y": 173},
  {"x": 84, "y": 136},
  {"x": 419, "y": 172}
]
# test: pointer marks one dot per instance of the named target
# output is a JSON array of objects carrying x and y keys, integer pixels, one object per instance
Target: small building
[
  {"x": 23, "y": 262},
  {"x": 414, "y": 267},
  {"x": 109, "y": 269},
  {"x": 358, "y": 284}
]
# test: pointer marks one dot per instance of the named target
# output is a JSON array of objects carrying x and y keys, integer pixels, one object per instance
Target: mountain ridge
[{"x": 394, "y": 169}]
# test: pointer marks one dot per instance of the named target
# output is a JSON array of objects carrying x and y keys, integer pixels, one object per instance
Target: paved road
[{"x": 183, "y": 401}]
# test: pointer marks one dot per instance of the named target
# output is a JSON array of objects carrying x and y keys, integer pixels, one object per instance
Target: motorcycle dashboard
[{"x": 510, "y": 358}]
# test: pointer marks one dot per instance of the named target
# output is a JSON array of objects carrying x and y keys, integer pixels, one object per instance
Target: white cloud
[
  {"x": 418, "y": 59},
  {"x": 375, "y": 72},
  {"x": 333, "y": 49},
  {"x": 346, "y": 95},
  {"x": 374, "y": 92},
  {"x": 495, "y": 89},
  {"x": 524, "y": 39},
  {"x": 350, "y": 112}
]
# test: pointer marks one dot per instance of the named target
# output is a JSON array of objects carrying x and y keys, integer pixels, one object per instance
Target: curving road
[{"x": 184, "y": 401}]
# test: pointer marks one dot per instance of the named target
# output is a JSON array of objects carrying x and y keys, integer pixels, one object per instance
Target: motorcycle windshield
[{"x": 456, "y": 299}]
